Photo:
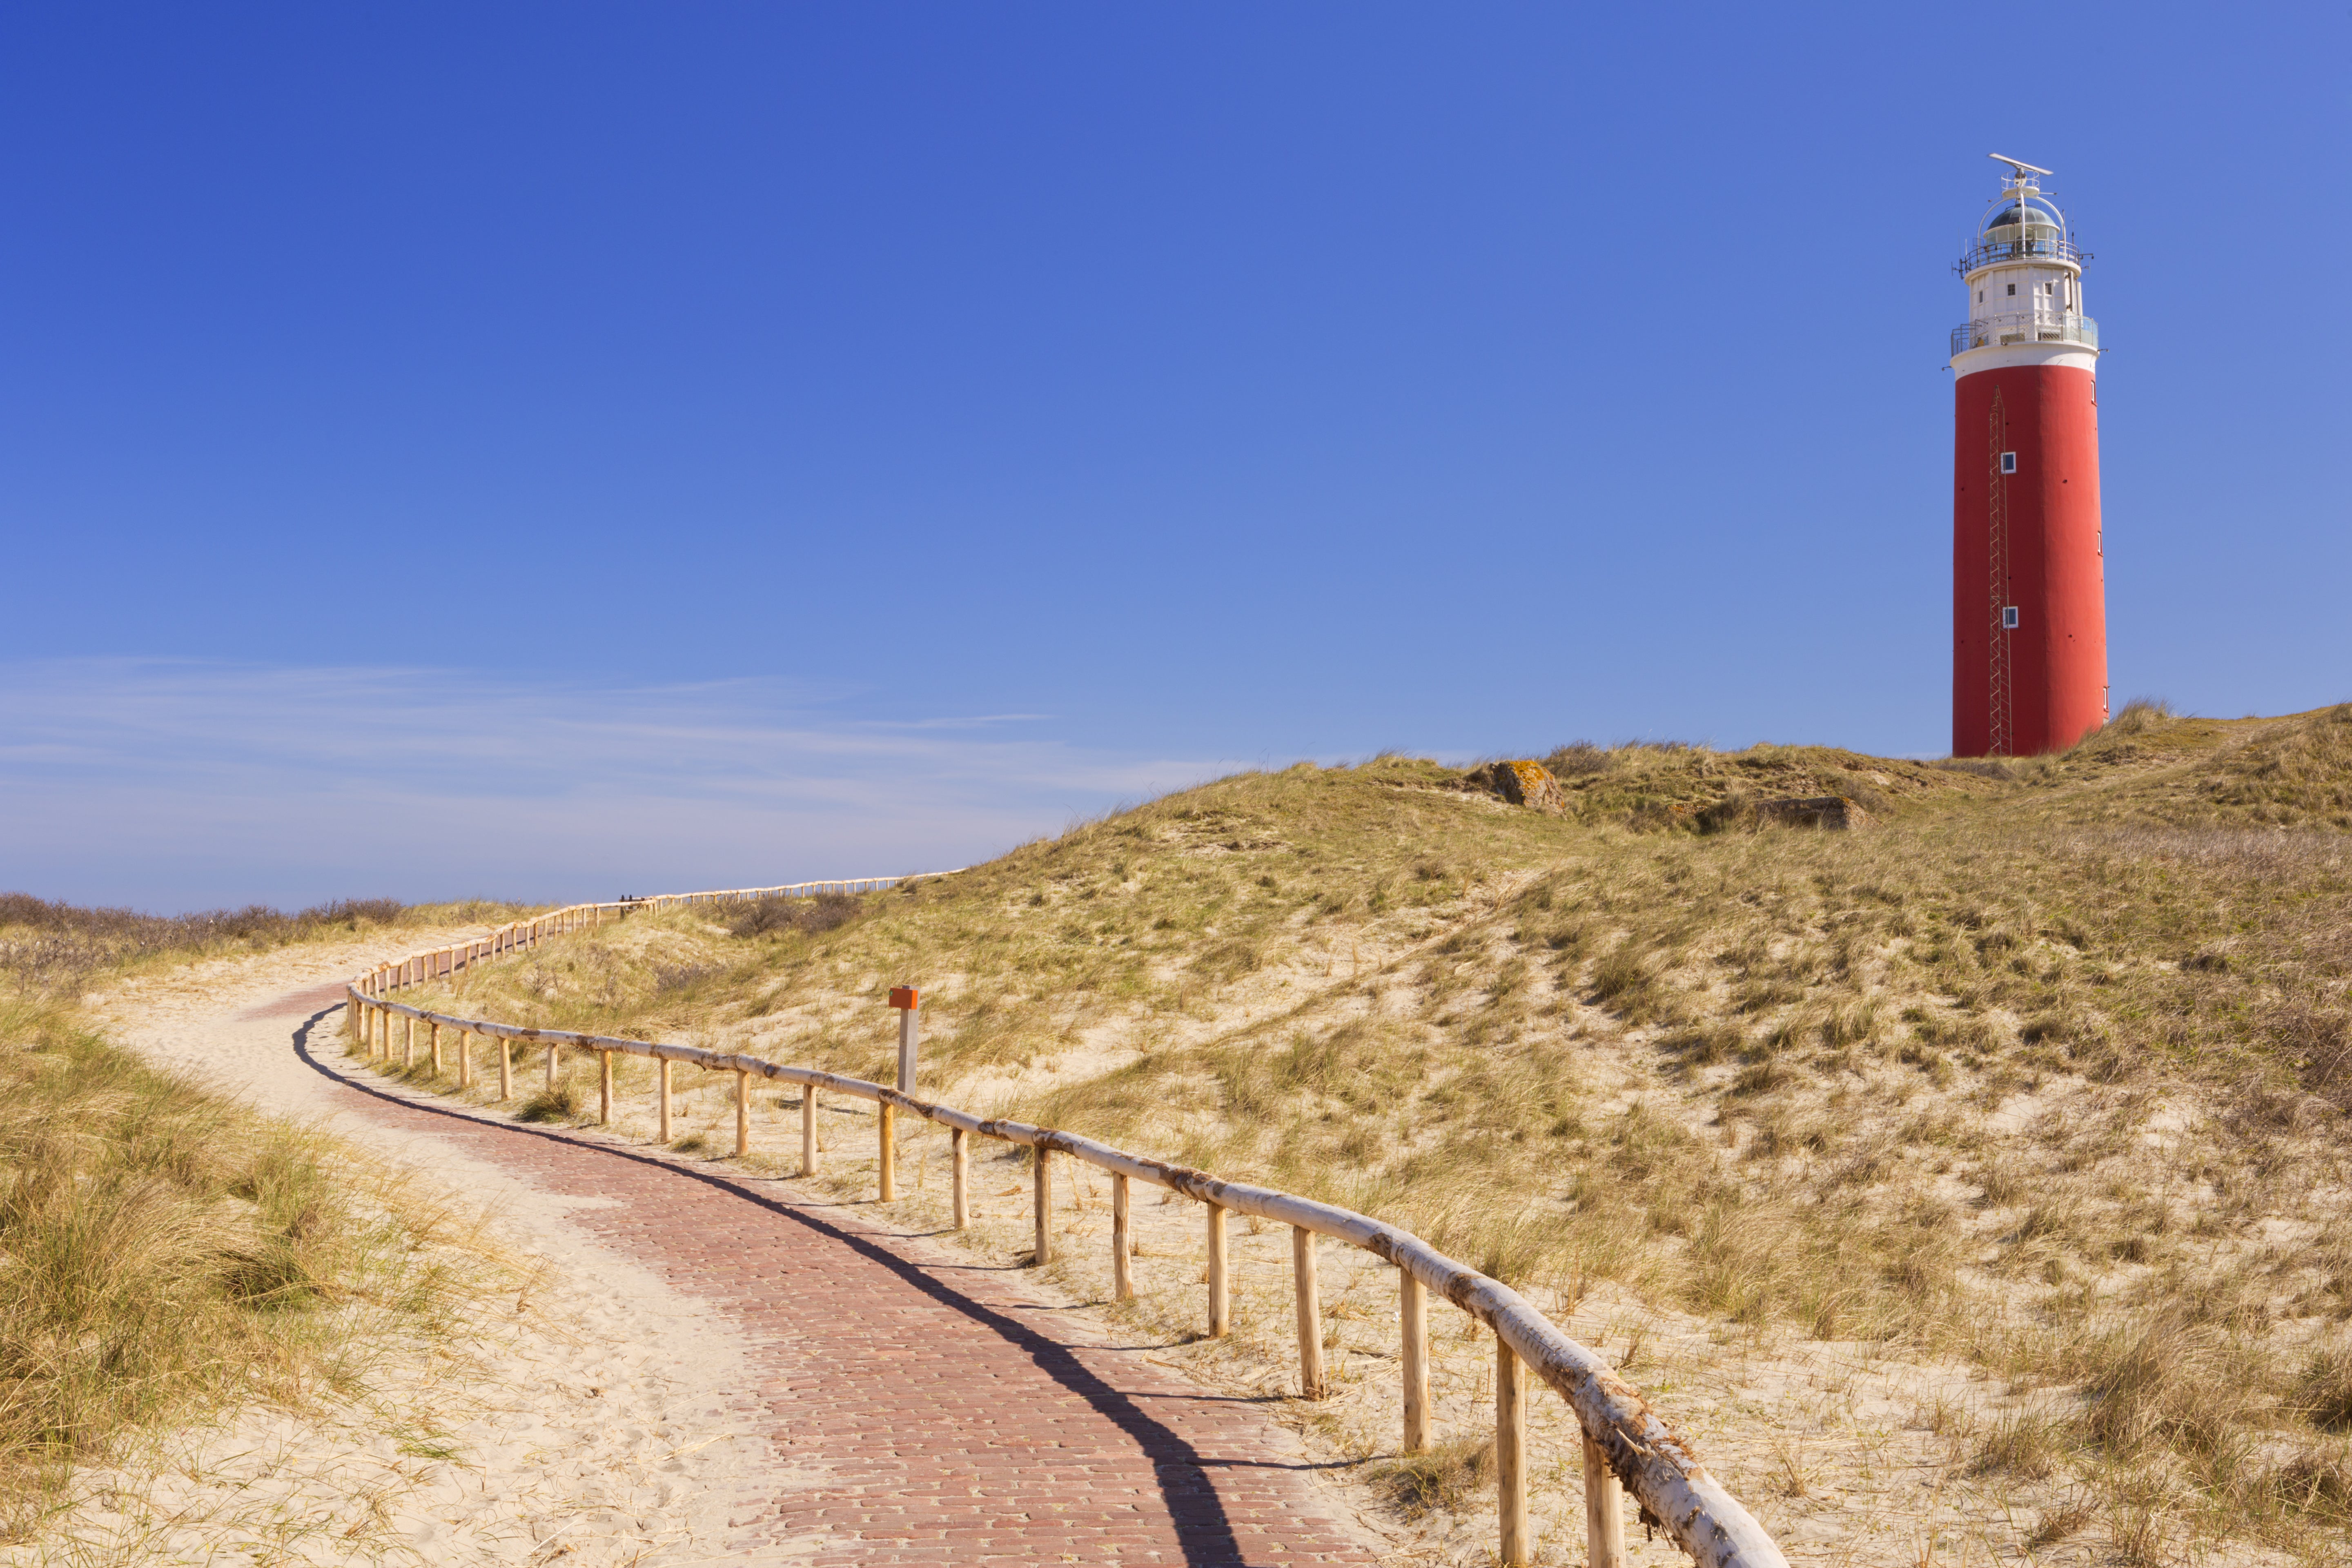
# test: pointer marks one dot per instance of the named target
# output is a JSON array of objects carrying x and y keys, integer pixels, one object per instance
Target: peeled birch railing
[{"x": 1626, "y": 1445}]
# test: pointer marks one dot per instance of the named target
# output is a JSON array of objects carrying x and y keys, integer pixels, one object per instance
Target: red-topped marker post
[{"x": 910, "y": 1035}]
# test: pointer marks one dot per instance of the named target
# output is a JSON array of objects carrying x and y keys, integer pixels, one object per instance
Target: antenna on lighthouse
[{"x": 2021, "y": 167}]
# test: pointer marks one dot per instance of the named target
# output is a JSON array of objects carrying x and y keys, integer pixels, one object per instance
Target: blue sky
[{"x": 554, "y": 450}]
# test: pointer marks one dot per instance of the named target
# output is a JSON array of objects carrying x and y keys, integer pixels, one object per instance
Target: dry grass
[
  {"x": 2048, "y": 1071},
  {"x": 169, "y": 1255},
  {"x": 1445, "y": 1476},
  {"x": 50, "y": 949}
]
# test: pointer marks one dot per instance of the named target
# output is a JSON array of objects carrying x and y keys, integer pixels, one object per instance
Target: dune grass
[
  {"x": 2047, "y": 1069},
  {"x": 53, "y": 948},
  {"x": 166, "y": 1255}
]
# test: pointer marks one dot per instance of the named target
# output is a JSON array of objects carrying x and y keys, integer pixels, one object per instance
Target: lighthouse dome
[
  {"x": 2020, "y": 228},
  {"x": 2037, "y": 216}
]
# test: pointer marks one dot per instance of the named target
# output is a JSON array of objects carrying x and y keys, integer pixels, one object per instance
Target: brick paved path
[{"x": 933, "y": 1408}]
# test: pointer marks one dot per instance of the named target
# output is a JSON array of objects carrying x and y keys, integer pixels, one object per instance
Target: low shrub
[{"x": 783, "y": 915}]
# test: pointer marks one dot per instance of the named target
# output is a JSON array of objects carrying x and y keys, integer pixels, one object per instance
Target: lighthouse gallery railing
[{"x": 2024, "y": 328}]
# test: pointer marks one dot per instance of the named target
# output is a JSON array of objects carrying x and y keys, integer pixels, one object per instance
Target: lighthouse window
[
  {"x": 2008, "y": 617},
  {"x": 2013, "y": 288},
  {"x": 2008, "y": 462}
]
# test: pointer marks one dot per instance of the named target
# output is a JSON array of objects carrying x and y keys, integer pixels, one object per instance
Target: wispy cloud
[{"x": 174, "y": 783}]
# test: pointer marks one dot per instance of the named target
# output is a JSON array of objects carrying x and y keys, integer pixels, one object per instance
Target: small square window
[
  {"x": 2008, "y": 462},
  {"x": 2008, "y": 617},
  {"x": 2013, "y": 288}
]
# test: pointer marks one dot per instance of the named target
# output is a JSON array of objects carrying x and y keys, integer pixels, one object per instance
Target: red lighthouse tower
[{"x": 2029, "y": 592}]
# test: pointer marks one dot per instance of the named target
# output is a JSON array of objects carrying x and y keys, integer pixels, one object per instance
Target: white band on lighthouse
[{"x": 2024, "y": 277}]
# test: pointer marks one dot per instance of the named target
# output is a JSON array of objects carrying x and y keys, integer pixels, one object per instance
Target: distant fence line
[{"x": 1626, "y": 1445}]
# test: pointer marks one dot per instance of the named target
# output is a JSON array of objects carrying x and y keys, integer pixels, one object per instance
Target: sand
[{"x": 550, "y": 1429}]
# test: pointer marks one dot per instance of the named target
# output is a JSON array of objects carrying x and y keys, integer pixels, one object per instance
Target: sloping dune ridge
[{"x": 1966, "y": 1182}]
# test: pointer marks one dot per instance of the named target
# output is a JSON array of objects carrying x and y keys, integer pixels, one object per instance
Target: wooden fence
[{"x": 1627, "y": 1447}]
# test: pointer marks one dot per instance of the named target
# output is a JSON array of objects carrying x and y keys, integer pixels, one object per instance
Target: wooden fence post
[
  {"x": 434, "y": 1029},
  {"x": 605, "y": 1087},
  {"x": 662, "y": 1089},
  {"x": 1122, "y": 1246},
  {"x": 1041, "y": 1201},
  {"x": 407, "y": 1041},
  {"x": 465, "y": 1059},
  {"x": 1221, "y": 1308},
  {"x": 1310, "y": 1312},
  {"x": 808, "y": 1129},
  {"x": 506, "y": 1069},
  {"x": 888, "y": 1126},
  {"x": 1412, "y": 1319},
  {"x": 960, "y": 1167},
  {"x": 1604, "y": 1520},
  {"x": 550, "y": 1069},
  {"x": 742, "y": 1113},
  {"x": 1511, "y": 1454}
]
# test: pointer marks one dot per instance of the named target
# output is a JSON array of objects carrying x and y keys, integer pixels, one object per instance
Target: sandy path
[
  {"x": 761, "y": 1372},
  {"x": 573, "y": 1435}
]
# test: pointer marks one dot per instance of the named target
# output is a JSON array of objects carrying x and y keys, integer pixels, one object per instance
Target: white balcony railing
[{"x": 2025, "y": 327}]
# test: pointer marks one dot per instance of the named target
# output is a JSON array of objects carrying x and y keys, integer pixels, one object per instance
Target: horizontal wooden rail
[
  {"x": 418, "y": 968},
  {"x": 1624, "y": 1439}
]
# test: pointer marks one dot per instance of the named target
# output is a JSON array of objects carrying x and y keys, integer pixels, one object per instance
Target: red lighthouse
[{"x": 2029, "y": 592}]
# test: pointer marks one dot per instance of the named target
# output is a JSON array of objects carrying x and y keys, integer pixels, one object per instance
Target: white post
[{"x": 911, "y": 1033}]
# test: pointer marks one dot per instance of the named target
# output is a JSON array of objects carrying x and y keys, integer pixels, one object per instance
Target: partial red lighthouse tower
[{"x": 2029, "y": 590}]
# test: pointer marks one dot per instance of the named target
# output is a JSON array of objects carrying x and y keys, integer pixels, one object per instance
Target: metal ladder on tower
[{"x": 2001, "y": 731}]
